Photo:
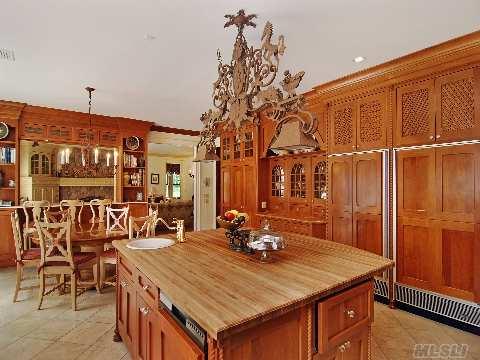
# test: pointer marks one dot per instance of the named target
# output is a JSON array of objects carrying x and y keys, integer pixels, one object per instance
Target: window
[
  {"x": 39, "y": 164},
  {"x": 173, "y": 181},
  {"x": 45, "y": 165},
  {"x": 320, "y": 180},
  {"x": 34, "y": 164},
  {"x": 278, "y": 181},
  {"x": 298, "y": 181}
]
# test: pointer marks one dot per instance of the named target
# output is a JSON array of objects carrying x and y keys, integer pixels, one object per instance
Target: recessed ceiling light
[
  {"x": 150, "y": 37},
  {"x": 359, "y": 59}
]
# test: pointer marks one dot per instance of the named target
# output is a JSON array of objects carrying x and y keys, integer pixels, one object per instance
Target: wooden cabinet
[
  {"x": 415, "y": 120},
  {"x": 340, "y": 212},
  {"x": 33, "y": 131},
  {"x": 342, "y": 128},
  {"x": 355, "y": 348},
  {"x": 359, "y": 124},
  {"x": 438, "y": 201},
  {"x": 442, "y": 109},
  {"x": 7, "y": 244},
  {"x": 109, "y": 138},
  {"x": 439, "y": 255},
  {"x": 416, "y": 183},
  {"x": 225, "y": 178},
  {"x": 457, "y": 98},
  {"x": 126, "y": 308},
  {"x": 59, "y": 133},
  {"x": 355, "y": 214},
  {"x": 457, "y": 190},
  {"x": 148, "y": 332}
]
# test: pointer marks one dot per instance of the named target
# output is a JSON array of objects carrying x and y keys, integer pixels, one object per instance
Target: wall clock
[
  {"x": 132, "y": 143},
  {"x": 3, "y": 130}
]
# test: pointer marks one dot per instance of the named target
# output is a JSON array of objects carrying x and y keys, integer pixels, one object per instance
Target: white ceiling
[{"x": 62, "y": 46}]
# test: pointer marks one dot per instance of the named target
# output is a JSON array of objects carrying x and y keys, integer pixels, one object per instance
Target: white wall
[{"x": 157, "y": 165}]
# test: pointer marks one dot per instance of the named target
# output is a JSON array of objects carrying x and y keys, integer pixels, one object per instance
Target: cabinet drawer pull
[
  {"x": 144, "y": 311},
  {"x": 351, "y": 313},
  {"x": 123, "y": 284},
  {"x": 146, "y": 287}
]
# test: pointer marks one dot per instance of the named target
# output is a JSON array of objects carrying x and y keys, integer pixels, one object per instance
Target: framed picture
[{"x": 155, "y": 179}]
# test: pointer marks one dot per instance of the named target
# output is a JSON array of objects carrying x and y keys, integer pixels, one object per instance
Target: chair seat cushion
[
  {"x": 31, "y": 254},
  {"x": 110, "y": 253},
  {"x": 78, "y": 259}
]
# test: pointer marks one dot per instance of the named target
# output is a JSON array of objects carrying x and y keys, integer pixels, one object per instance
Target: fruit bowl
[{"x": 236, "y": 223}]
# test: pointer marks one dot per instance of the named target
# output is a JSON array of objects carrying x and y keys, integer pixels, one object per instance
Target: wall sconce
[{"x": 190, "y": 173}]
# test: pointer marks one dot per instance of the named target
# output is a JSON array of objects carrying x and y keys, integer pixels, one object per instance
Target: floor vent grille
[
  {"x": 456, "y": 309},
  {"x": 463, "y": 311},
  {"x": 381, "y": 287}
]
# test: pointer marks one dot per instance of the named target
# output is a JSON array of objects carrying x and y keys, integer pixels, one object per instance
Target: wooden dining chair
[
  {"x": 24, "y": 257},
  {"x": 137, "y": 228},
  {"x": 117, "y": 219},
  {"x": 73, "y": 206},
  {"x": 55, "y": 216},
  {"x": 57, "y": 258},
  {"x": 33, "y": 212},
  {"x": 98, "y": 215}
]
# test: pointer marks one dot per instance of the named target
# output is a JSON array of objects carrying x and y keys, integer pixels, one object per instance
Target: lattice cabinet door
[
  {"x": 371, "y": 122},
  {"x": 415, "y": 120},
  {"x": 458, "y": 108},
  {"x": 342, "y": 128}
]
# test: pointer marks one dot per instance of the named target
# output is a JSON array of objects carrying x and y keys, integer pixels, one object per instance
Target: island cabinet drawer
[
  {"x": 125, "y": 266},
  {"x": 355, "y": 348},
  {"x": 146, "y": 289},
  {"x": 344, "y": 315}
]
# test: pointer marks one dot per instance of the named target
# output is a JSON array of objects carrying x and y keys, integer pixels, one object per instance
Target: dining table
[{"x": 93, "y": 237}]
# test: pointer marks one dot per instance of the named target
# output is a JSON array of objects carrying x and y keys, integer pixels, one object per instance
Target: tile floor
[{"x": 58, "y": 333}]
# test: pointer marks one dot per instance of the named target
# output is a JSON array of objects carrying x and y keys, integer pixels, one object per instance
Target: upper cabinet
[
  {"x": 458, "y": 107},
  {"x": 240, "y": 145},
  {"x": 442, "y": 109},
  {"x": 359, "y": 124}
]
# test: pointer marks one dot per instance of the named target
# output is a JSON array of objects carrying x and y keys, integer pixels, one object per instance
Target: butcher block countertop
[{"x": 225, "y": 291}]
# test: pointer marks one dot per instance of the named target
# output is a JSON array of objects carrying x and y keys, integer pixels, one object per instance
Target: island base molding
[{"x": 333, "y": 327}]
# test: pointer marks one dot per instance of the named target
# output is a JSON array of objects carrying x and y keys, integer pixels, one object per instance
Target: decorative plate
[
  {"x": 132, "y": 143},
  {"x": 4, "y": 130}
]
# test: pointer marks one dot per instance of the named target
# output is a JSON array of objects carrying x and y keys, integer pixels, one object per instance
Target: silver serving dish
[{"x": 266, "y": 240}]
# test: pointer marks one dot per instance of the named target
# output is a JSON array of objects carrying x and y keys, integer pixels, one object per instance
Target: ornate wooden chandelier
[{"x": 245, "y": 87}]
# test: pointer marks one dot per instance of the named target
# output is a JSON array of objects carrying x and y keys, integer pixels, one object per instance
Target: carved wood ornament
[{"x": 244, "y": 87}]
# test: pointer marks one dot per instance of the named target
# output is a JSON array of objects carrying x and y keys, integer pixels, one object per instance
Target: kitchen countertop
[{"x": 225, "y": 291}]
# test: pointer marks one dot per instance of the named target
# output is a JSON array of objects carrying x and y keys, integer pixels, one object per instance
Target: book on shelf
[{"x": 7, "y": 155}]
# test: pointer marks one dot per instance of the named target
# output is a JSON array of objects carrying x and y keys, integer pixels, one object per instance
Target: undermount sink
[{"x": 150, "y": 244}]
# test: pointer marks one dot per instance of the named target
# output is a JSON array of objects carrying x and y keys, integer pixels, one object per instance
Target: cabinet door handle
[
  {"x": 123, "y": 284},
  {"x": 351, "y": 313},
  {"x": 144, "y": 310},
  {"x": 344, "y": 347},
  {"x": 431, "y": 137},
  {"x": 420, "y": 210},
  {"x": 146, "y": 287},
  {"x": 438, "y": 136}
]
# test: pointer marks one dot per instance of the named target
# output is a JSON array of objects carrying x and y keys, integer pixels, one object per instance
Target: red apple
[{"x": 229, "y": 216}]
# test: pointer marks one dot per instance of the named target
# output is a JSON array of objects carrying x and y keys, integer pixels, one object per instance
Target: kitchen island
[{"x": 201, "y": 300}]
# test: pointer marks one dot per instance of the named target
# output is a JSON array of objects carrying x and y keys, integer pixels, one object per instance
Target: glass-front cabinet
[{"x": 238, "y": 145}]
